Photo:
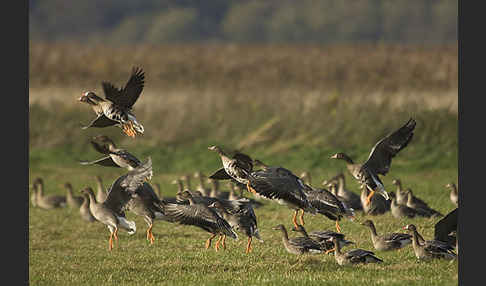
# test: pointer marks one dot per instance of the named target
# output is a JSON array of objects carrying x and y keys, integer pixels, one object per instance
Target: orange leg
[
  {"x": 217, "y": 242},
  {"x": 115, "y": 234},
  {"x": 302, "y": 218},
  {"x": 110, "y": 242},
  {"x": 248, "y": 246},
  {"x": 294, "y": 219},
  {"x": 338, "y": 227},
  {"x": 223, "y": 244},
  {"x": 250, "y": 189},
  {"x": 368, "y": 198},
  {"x": 150, "y": 236},
  {"x": 330, "y": 250},
  {"x": 208, "y": 242}
]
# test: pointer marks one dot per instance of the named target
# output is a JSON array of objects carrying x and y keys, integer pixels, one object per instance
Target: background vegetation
[{"x": 270, "y": 21}]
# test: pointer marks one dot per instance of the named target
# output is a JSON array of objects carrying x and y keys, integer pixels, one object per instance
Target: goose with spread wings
[
  {"x": 237, "y": 167},
  {"x": 200, "y": 215},
  {"x": 114, "y": 157},
  {"x": 379, "y": 160},
  {"x": 116, "y": 107},
  {"x": 111, "y": 212}
]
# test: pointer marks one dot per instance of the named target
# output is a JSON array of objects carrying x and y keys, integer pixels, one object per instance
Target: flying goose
[
  {"x": 200, "y": 215},
  {"x": 114, "y": 157},
  {"x": 241, "y": 216},
  {"x": 111, "y": 212},
  {"x": 116, "y": 107},
  {"x": 379, "y": 160},
  {"x": 237, "y": 167}
]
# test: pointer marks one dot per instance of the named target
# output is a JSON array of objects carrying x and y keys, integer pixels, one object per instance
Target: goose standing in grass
[
  {"x": 84, "y": 210},
  {"x": 114, "y": 157},
  {"x": 378, "y": 205},
  {"x": 399, "y": 211},
  {"x": 111, "y": 212},
  {"x": 116, "y": 107},
  {"x": 47, "y": 201},
  {"x": 379, "y": 160},
  {"x": 101, "y": 193},
  {"x": 453, "y": 194},
  {"x": 241, "y": 216},
  {"x": 322, "y": 237},
  {"x": 351, "y": 199},
  {"x": 298, "y": 245},
  {"x": 353, "y": 256},
  {"x": 400, "y": 193},
  {"x": 201, "y": 187},
  {"x": 420, "y": 206},
  {"x": 72, "y": 201},
  {"x": 387, "y": 241},
  {"x": 199, "y": 215},
  {"x": 427, "y": 250}
]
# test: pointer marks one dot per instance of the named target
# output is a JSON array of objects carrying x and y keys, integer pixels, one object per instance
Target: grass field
[{"x": 297, "y": 126}]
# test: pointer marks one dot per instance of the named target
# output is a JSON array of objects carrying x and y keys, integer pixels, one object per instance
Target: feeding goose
[
  {"x": 116, "y": 107},
  {"x": 114, "y": 157},
  {"x": 379, "y": 160},
  {"x": 200, "y": 215},
  {"x": 353, "y": 256}
]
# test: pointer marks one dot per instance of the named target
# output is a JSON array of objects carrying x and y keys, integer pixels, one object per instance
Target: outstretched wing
[
  {"x": 137, "y": 177},
  {"x": 100, "y": 121},
  {"x": 127, "y": 96},
  {"x": 220, "y": 175},
  {"x": 382, "y": 153},
  {"x": 105, "y": 161}
]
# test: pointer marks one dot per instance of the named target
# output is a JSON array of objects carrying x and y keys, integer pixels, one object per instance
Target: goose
[
  {"x": 350, "y": 198},
  {"x": 322, "y": 238},
  {"x": 101, "y": 193},
  {"x": 298, "y": 245},
  {"x": 400, "y": 193},
  {"x": 47, "y": 201},
  {"x": 240, "y": 215},
  {"x": 399, "y": 211},
  {"x": 378, "y": 205},
  {"x": 387, "y": 241},
  {"x": 111, "y": 212},
  {"x": 420, "y": 206},
  {"x": 113, "y": 156},
  {"x": 353, "y": 256},
  {"x": 201, "y": 216},
  {"x": 72, "y": 201},
  {"x": 429, "y": 249},
  {"x": 453, "y": 194},
  {"x": 379, "y": 160},
  {"x": 84, "y": 210},
  {"x": 283, "y": 186},
  {"x": 116, "y": 107}
]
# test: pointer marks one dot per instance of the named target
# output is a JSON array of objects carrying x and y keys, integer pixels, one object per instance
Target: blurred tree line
[{"x": 249, "y": 21}]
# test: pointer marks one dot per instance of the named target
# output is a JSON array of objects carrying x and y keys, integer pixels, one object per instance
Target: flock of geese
[{"x": 225, "y": 214}]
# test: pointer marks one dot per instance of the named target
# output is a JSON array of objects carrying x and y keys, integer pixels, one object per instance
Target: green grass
[{"x": 63, "y": 249}]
